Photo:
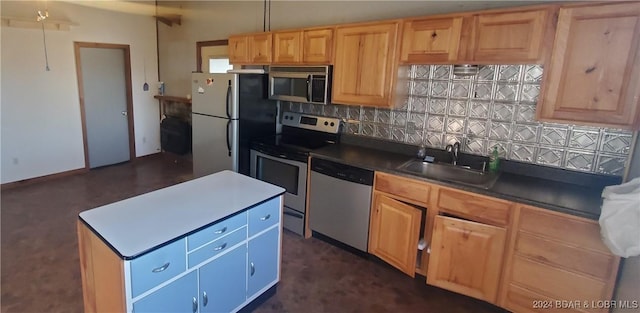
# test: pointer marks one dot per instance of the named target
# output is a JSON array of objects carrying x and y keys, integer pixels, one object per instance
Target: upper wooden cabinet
[
  {"x": 306, "y": 46},
  {"x": 429, "y": 40},
  {"x": 365, "y": 66},
  {"x": 239, "y": 49},
  {"x": 593, "y": 76},
  {"x": 511, "y": 37},
  {"x": 317, "y": 45},
  {"x": 287, "y": 47},
  {"x": 483, "y": 38},
  {"x": 250, "y": 49}
]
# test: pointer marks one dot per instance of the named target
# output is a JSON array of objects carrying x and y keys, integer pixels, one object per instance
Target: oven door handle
[
  {"x": 228, "y": 139},
  {"x": 296, "y": 215},
  {"x": 309, "y": 83}
]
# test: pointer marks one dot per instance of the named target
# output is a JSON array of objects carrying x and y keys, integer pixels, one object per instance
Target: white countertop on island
[{"x": 136, "y": 225}]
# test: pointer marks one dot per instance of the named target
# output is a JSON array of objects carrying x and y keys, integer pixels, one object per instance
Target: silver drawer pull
[
  {"x": 205, "y": 298},
  {"x": 253, "y": 268},
  {"x": 161, "y": 268},
  {"x": 264, "y": 218},
  {"x": 220, "y": 247},
  {"x": 220, "y": 231}
]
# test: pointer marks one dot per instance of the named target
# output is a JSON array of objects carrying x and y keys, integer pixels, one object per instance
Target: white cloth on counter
[{"x": 620, "y": 218}]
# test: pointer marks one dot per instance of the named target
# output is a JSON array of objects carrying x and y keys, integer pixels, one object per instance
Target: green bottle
[{"x": 494, "y": 160}]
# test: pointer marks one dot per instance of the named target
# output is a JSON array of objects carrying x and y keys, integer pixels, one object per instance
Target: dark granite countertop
[{"x": 559, "y": 190}]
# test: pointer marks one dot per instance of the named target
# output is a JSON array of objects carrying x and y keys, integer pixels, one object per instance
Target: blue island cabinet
[{"x": 219, "y": 266}]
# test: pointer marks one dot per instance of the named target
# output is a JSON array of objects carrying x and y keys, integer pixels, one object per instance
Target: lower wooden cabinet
[
  {"x": 394, "y": 232},
  {"x": 466, "y": 257},
  {"x": 558, "y": 263},
  {"x": 519, "y": 257}
]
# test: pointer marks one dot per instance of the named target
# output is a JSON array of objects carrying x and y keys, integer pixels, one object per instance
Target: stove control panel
[{"x": 311, "y": 122}]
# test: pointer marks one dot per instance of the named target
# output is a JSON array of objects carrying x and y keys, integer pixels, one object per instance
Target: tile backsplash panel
[{"x": 496, "y": 107}]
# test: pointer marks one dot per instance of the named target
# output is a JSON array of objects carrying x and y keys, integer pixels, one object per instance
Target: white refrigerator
[
  {"x": 229, "y": 111},
  {"x": 214, "y": 119}
]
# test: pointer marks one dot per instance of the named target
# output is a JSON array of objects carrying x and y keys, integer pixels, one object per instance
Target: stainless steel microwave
[{"x": 310, "y": 84}]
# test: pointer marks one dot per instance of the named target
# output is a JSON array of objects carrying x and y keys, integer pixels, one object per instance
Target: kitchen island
[{"x": 207, "y": 245}]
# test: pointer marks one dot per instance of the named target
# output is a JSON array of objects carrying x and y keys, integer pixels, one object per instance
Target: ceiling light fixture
[{"x": 40, "y": 17}]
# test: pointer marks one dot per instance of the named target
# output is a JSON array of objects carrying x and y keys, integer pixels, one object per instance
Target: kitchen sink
[{"x": 449, "y": 172}]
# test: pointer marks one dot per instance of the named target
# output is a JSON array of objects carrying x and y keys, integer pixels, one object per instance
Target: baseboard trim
[{"x": 29, "y": 181}]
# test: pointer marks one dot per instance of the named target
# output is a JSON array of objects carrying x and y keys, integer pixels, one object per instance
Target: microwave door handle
[{"x": 309, "y": 78}]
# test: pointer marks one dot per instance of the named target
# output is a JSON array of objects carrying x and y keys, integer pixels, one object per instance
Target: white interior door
[{"x": 105, "y": 104}]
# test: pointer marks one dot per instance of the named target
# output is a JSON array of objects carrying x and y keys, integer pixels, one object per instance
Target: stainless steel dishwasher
[{"x": 339, "y": 202}]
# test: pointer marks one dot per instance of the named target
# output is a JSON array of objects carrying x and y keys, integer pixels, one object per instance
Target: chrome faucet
[{"x": 453, "y": 150}]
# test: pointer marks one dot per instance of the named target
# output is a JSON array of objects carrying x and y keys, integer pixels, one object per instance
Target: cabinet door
[
  {"x": 238, "y": 49},
  {"x": 510, "y": 37},
  {"x": 466, "y": 257},
  {"x": 594, "y": 73},
  {"x": 178, "y": 296},
  {"x": 287, "y": 48},
  {"x": 260, "y": 48},
  {"x": 431, "y": 40},
  {"x": 264, "y": 257},
  {"x": 394, "y": 233},
  {"x": 317, "y": 46},
  {"x": 557, "y": 256},
  {"x": 364, "y": 64},
  {"x": 223, "y": 282}
]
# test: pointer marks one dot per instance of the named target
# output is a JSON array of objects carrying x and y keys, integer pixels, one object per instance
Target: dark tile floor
[{"x": 40, "y": 271}]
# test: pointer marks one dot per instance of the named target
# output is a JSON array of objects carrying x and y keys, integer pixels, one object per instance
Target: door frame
[
  {"x": 209, "y": 43},
  {"x": 127, "y": 73}
]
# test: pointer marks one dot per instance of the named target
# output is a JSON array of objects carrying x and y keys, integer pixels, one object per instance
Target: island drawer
[
  {"x": 403, "y": 187},
  {"x": 263, "y": 216},
  {"x": 157, "y": 266},
  {"x": 213, "y": 248},
  {"x": 216, "y": 231},
  {"x": 474, "y": 207}
]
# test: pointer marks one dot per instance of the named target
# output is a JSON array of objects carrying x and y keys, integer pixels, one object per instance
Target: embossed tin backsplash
[{"x": 496, "y": 107}]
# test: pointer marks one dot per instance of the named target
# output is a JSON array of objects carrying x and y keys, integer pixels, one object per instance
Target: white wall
[
  {"x": 215, "y": 20},
  {"x": 41, "y": 129}
]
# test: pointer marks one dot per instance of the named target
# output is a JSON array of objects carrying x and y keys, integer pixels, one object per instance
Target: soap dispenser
[{"x": 494, "y": 160}]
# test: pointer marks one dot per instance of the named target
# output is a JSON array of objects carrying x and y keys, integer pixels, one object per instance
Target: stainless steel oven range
[{"x": 282, "y": 160}]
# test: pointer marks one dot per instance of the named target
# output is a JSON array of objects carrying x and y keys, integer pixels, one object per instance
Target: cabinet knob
[
  {"x": 253, "y": 268},
  {"x": 264, "y": 218},
  {"x": 205, "y": 299}
]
